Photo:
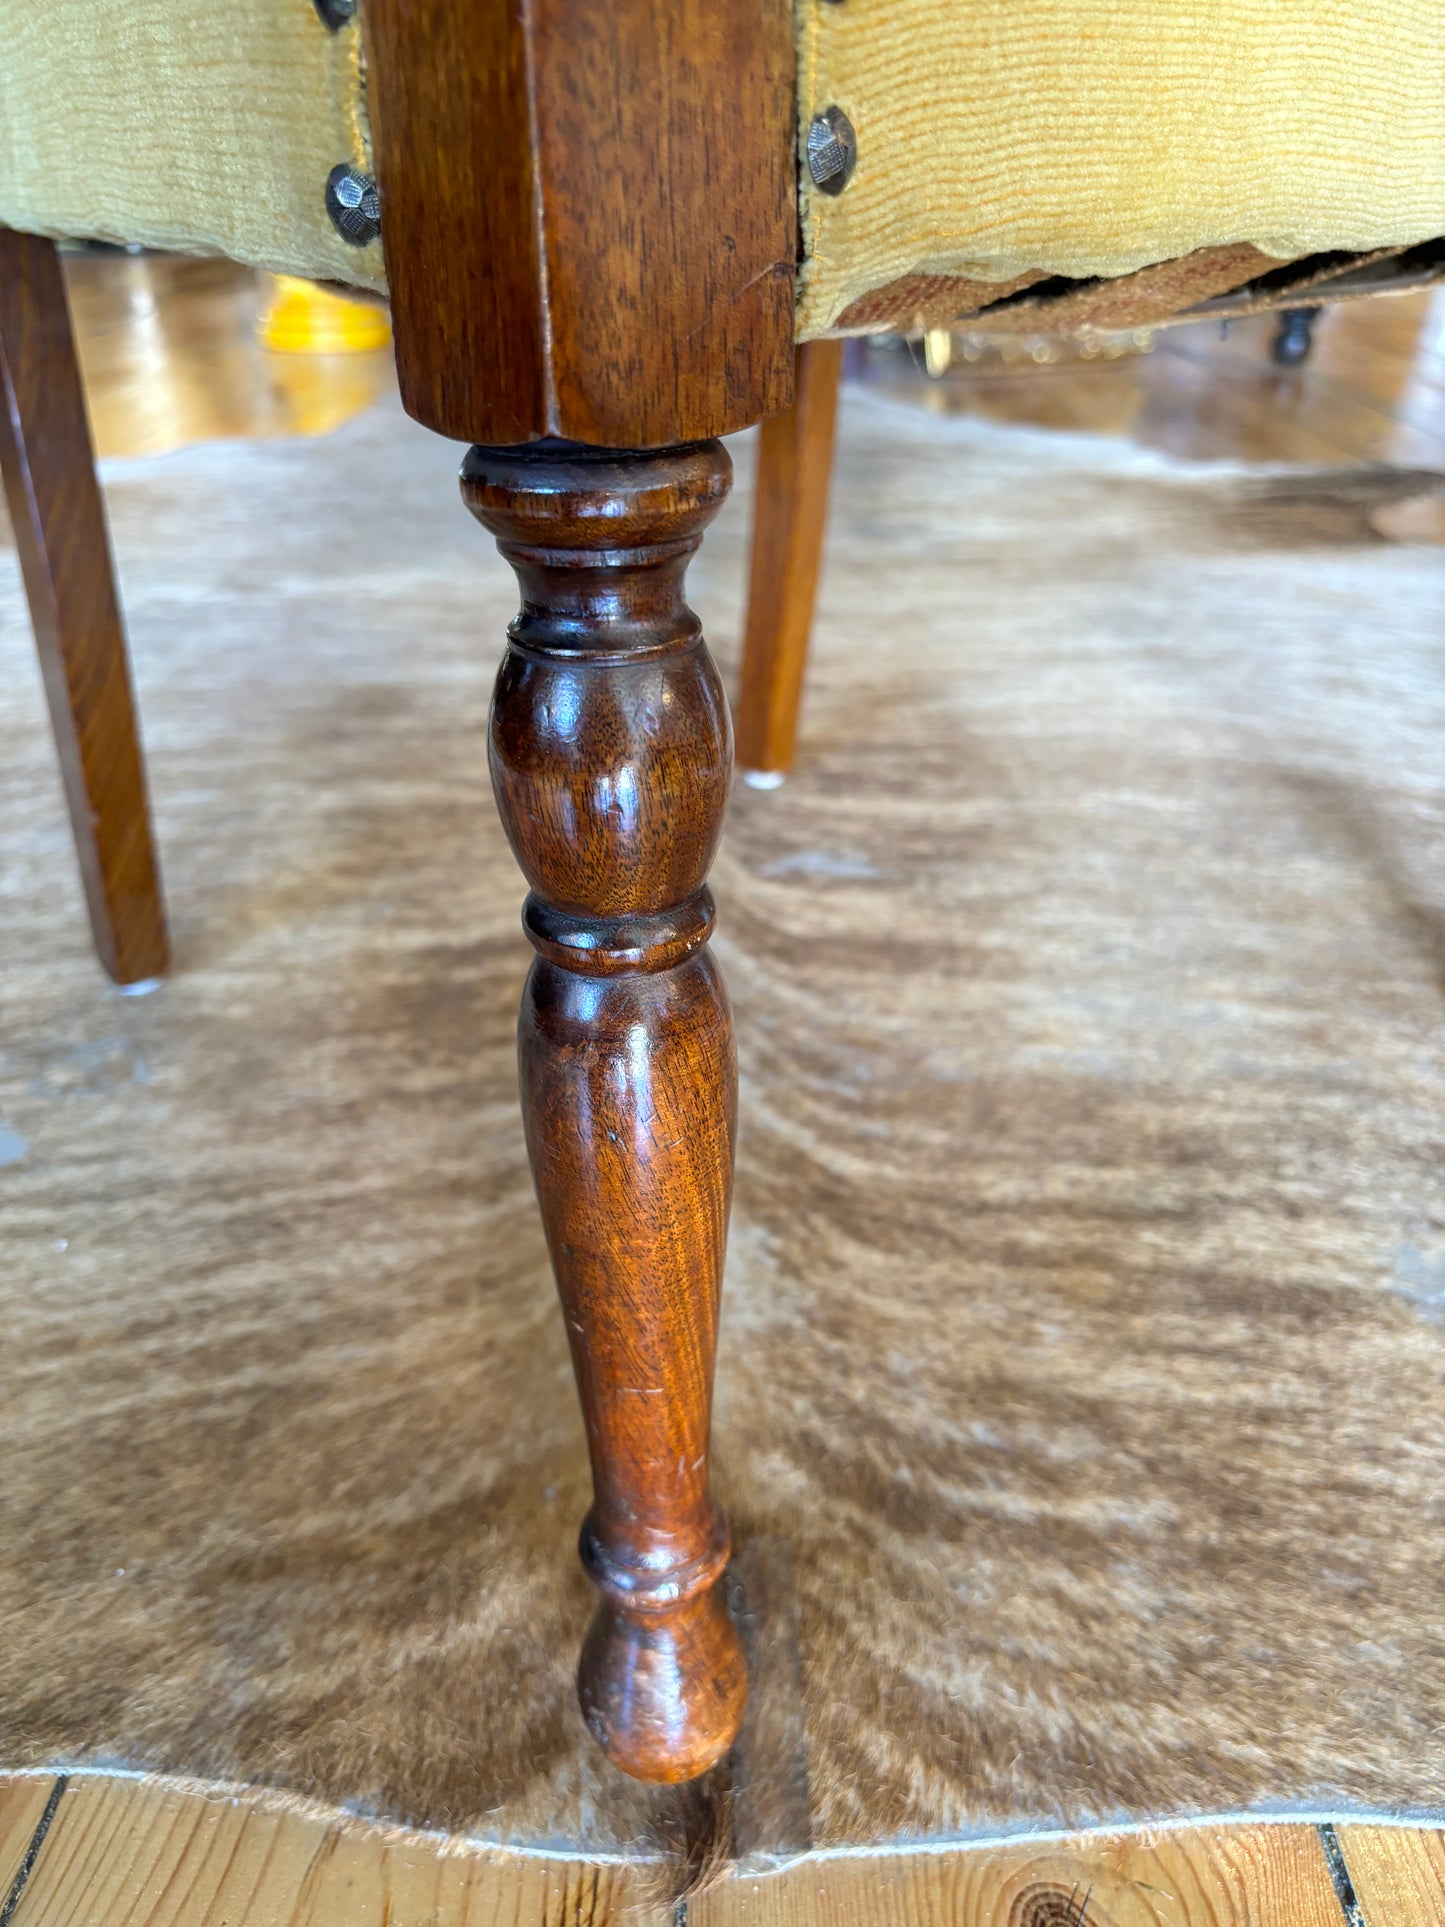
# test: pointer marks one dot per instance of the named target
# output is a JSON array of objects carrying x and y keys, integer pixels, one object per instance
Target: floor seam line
[
  {"x": 1340, "y": 1879},
  {"x": 32, "y": 1852}
]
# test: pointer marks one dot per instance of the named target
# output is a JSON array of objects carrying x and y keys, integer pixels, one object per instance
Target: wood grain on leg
[
  {"x": 55, "y": 505},
  {"x": 610, "y": 756},
  {"x": 589, "y": 214},
  {"x": 790, "y": 512}
]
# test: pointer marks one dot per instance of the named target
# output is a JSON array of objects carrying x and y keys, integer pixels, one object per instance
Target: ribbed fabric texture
[
  {"x": 207, "y": 128},
  {"x": 995, "y": 137},
  {"x": 1092, "y": 137}
]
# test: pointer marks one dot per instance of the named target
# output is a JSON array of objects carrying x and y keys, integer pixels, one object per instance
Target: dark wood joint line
[
  {"x": 11, "y": 1904},
  {"x": 589, "y": 214}
]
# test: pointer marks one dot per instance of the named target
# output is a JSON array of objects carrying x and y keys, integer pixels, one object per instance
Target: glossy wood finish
[
  {"x": 790, "y": 513},
  {"x": 59, "y": 521},
  {"x": 172, "y": 353},
  {"x": 610, "y": 755},
  {"x": 588, "y": 214},
  {"x": 1372, "y": 390}
]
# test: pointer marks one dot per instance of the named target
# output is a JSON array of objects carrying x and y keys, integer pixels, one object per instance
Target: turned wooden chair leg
[
  {"x": 610, "y": 753},
  {"x": 55, "y": 505},
  {"x": 790, "y": 511}
]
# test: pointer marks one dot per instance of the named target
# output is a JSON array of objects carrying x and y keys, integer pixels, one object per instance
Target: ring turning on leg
[{"x": 610, "y": 754}]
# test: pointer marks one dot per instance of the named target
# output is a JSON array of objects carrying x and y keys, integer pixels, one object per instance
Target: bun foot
[{"x": 664, "y": 1698}]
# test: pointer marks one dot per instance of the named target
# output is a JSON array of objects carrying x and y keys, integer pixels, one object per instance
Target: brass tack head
[
  {"x": 352, "y": 203},
  {"x": 832, "y": 150},
  {"x": 336, "y": 13}
]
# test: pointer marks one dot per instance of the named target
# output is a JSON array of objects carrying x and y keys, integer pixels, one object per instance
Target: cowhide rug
[{"x": 1080, "y": 1405}]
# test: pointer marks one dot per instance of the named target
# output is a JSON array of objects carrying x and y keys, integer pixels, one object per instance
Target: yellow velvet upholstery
[
  {"x": 1091, "y": 137},
  {"x": 996, "y": 138},
  {"x": 199, "y": 125}
]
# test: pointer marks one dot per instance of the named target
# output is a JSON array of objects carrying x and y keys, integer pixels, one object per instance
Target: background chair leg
[
  {"x": 610, "y": 754},
  {"x": 790, "y": 511},
  {"x": 1294, "y": 337},
  {"x": 55, "y": 505}
]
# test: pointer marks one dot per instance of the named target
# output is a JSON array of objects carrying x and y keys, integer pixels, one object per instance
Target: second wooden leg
[
  {"x": 790, "y": 513},
  {"x": 610, "y": 756},
  {"x": 55, "y": 505}
]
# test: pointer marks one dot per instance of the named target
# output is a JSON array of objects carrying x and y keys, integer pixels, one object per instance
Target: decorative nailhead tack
[
  {"x": 832, "y": 150},
  {"x": 336, "y": 13},
  {"x": 352, "y": 203}
]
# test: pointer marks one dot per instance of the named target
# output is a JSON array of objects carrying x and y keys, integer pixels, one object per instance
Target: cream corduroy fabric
[
  {"x": 200, "y": 127},
  {"x": 1092, "y": 137},
  {"x": 995, "y": 137}
]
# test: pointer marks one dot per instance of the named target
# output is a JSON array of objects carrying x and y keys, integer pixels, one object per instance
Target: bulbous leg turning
[
  {"x": 610, "y": 752},
  {"x": 663, "y": 1695}
]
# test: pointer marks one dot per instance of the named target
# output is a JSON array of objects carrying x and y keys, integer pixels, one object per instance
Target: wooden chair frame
[
  {"x": 590, "y": 229},
  {"x": 59, "y": 520}
]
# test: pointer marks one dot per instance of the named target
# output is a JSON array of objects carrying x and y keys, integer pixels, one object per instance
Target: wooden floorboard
[
  {"x": 133, "y": 1853},
  {"x": 1398, "y": 1874},
  {"x": 137, "y": 1853},
  {"x": 22, "y": 1808},
  {"x": 1270, "y": 1876}
]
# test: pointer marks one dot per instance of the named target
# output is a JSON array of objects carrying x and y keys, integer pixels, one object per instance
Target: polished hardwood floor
[
  {"x": 1372, "y": 389},
  {"x": 172, "y": 354}
]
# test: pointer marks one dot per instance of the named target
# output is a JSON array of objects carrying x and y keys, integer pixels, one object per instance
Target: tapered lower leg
[
  {"x": 790, "y": 513},
  {"x": 610, "y": 754},
  {"x": 55, "y": 505}
]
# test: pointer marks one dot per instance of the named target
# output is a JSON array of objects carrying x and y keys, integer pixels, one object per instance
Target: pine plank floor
[
  {"x": 96, "y": 1851},
  {"x": 1398, "y": 1876}
]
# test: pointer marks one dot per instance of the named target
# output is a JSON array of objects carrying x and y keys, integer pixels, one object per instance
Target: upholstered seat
[
  {"x": 998, "y": 141},
  {"x": 184, "y": 126},
  {"x": 1006, "y": 138}
]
